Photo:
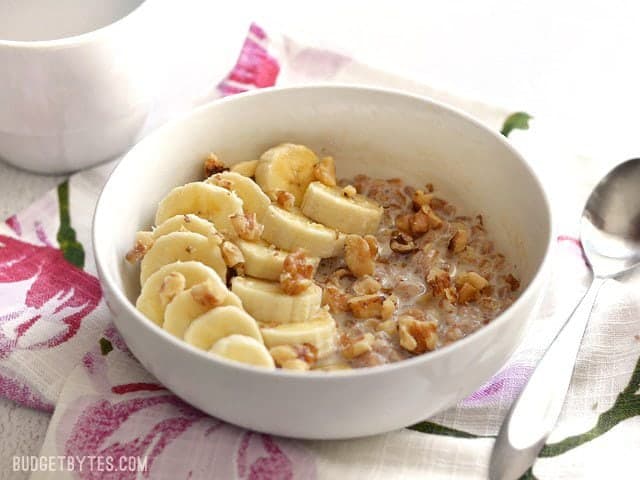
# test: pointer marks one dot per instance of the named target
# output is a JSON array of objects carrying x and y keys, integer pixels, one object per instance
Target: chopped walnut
[
  {"x": 416, "y": 336},
  {"x": 325, "y": 171},
  {"x": 435, "y": 221},
  {"x": 467, "y": 293},
  {"x": 365, "y": 306},
  {"x": 172, "y": 285},
  {"x": 232, "y": 256},
  {"x": 477, "y": 281},
  {"x": 420, "y": 222},
  {"x": 349, "y": 191},
  {"x": 335, "y": 298},
  {"x": 246, "y": 169},
  {"x": 294, "y": 357},
  {"x": 209, "y": 294},
  {"x": 285, "y": 200},
  {"x": 460, "y": 239},
  {"x": 359, "y": 256},
  {"x": 213, "y": 165},
  {"x": 438, "y": 280},
  {"x": 366, "y": 285},
  {"x": 402, "y": 243},
  {"x": 420, "y": 198},
  {"x": 390, "y": 327},
  {"x": 373, "y": 245},
  {"x": 143, "y": 242},
  {"x": 247, "y": 226},
  {"x": 388, "y": 307},
  {"x": 358, "y": 346},
  {"x": 297, "y": 273},
  {"x": 513, "y": 282},
  {"x": 403, "y": 222}
]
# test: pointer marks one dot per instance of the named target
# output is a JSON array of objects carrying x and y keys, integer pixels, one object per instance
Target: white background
[{"x": 574, "y": 65}]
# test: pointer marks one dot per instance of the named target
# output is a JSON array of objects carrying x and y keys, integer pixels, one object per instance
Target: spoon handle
[{"x": 534, "y": 414}]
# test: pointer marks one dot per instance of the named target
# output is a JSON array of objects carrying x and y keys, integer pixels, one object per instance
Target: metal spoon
[{"x": 610, "y": 235}]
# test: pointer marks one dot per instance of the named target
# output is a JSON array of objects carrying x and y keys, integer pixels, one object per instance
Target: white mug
[{"x": 77, "y": 79}]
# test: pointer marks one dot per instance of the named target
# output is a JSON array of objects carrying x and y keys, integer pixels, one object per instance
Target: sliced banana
[
  {"x": 182, "y": 246},
  {"x": 262, "y": 260},
  {"x": 247, "y": 168},
  {"x": 319, "y": 331},
  {"x": 243, "y": 349},
  {"x": 253, "y": 198},
  {"x": 267, "y": 303},
  {"x": 210, "y": 202},
  {"x": 290, "y": 230},
  {"x": 149, "y": 301},
  {"x": 184, "y": 309},
  {"x": 185, "y": 223},
  {"x": 287, "y": 167},
  {"x": 218, "y": 323},
  {"x": 329, "y": 206}
]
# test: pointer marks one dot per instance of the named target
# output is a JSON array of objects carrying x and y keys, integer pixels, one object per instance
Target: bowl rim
[
  {"x": 79, "y": 38},
  {"x": 154, "y": 329}
]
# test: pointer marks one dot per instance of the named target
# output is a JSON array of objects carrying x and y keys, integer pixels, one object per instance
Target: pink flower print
[{"x": 53, "y": 294}]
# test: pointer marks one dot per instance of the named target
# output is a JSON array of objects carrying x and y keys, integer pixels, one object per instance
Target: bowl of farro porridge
[{"x": 322, "y": 262}]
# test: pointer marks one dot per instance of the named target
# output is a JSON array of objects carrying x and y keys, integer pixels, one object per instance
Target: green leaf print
[
  {"x": 515, "y": 121},
  {"x": 436, "y": 429},
  {"x": 105, "y": 346},
  {"x": 71, "y": 249}
]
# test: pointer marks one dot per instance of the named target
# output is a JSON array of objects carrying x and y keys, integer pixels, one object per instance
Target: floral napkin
[{"x": 60, "y": 352}]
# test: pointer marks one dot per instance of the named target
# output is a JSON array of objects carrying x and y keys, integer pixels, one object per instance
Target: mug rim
[{"x": 77, "y": 39}]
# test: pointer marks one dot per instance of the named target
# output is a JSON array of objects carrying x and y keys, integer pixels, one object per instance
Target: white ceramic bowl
[{"x": 378, "y": 132}]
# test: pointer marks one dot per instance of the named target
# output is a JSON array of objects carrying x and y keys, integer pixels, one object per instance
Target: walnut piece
[
  {"x": 285, "y": 200},
  {"x": 172, "y": 285},
  {"x": 232, "y": 256},
  {"x": 467, "y": 293},
  {"x": 247, "y": 226},
  {"x": 294, "y": 357},
  {"x": 402, "y": 243},
  {"x": 435, "y": 221},
  {"x": 366, "y": 285},
  {"x": 325, "y": 171},
  {"x": 366, "y": 306},
  {"x": 359, "y": 256},
  {"x": 209, "y": 294},
  {"x": 143, "y": 242},
  {"x": 349, "y": 191},
  {"x": 246, "y": 169},
  {"x": 388, "y": 307},
  {"x": 403, "y": 223},
  {"x": 438, "y": 280},
  {"x": 297, "y": 273},
  {"x": 420, "y": 222},
  {"x": 335, "y": 298},
  {"x": 477, "y": 281},
  {"x": 459, "y": 240},
  {"x": 358, "y": 346},
  {"x": 420, "y": 198},
  {"x": 213, "y": 165},
  {"x": 390, "y": 327},
  {"x": 417, "y": 336}
]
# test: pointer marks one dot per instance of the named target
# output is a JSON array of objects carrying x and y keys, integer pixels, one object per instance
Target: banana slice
[
  {"x": 218, "y": 323},
  {"x": 267, "y": 303},
  {"x": 184, "y": 309},
  {"x": 319, "y": 331},
  {"x": 185, "y": 223},
  {"x": 261, "y": 260},
  {"x": 149, "y": 301},
  {"x": 253, "y": 199},
  {"x": 287, "y": 167},
  {"x": 243, "y": 349},
  {"x": 213, "y": 203},
  {"x": 182, "y": 246},
  {"x": 329, "y": 206},
  {"x": 290, "y": 230}
]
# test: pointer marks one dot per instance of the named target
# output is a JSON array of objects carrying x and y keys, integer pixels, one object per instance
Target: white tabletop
[{"x": 572, "y": 63}]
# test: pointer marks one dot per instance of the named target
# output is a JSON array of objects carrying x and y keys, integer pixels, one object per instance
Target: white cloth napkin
[{"x": 59, "y": 350}]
